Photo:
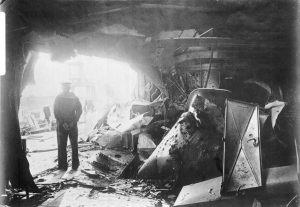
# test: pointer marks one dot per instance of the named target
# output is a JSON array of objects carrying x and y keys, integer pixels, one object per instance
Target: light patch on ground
[{"x": 80, "y": 197}]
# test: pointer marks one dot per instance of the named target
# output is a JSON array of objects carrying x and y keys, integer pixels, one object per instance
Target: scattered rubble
[
  {"x": 143, "y": 149},
  {"x": 115, "y": 129},
  {"x": 107, "y": 162},
  {"x": 145, "y": 146},
  {"x": 107, "y": 138}
]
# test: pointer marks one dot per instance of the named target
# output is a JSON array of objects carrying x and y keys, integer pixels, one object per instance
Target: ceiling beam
[
  {"x": 178, "y": 7},
  {"x": 98, "y": 15},
  {"x": 199, "y": 61},
  {"x": 217, "y": 43},
  {"x": 229, "y": 67}
]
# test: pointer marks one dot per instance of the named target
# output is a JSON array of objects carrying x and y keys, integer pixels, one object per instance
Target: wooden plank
[{"x": 207, "y": 33}]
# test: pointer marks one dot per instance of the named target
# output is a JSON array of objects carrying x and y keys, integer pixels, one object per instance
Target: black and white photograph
[{"x": 149, "y": 103}]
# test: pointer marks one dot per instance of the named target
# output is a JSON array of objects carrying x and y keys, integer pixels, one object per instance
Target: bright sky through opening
[{"x": 113, "y": 81}]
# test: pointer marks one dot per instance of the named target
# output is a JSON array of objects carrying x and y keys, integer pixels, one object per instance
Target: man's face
[{"x": 66, "y": 87}]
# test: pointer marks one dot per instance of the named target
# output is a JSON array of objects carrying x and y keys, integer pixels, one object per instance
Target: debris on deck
[
  {"x": 145, "y": 146},
  {"x": 185, "y": 150},
  {"x": 113, "y": 162},
  {"x": 146, "y": 149}
]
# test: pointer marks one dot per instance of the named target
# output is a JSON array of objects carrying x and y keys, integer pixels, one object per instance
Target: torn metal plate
[
  {"x": 207, "y": 194},
  {"x": 279, "y": 181},
  {"x": 217, "y": 96},
  {"x": 202, "y": 192},
  {"x": 242, "y": 156},
  {"x": 276, "y": 107}
]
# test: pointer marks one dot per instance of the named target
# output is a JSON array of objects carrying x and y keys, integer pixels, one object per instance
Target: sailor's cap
[{"x": 66, "y": 83}]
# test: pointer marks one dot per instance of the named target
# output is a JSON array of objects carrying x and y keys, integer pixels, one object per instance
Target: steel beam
[{"x": 217, "y": 43}]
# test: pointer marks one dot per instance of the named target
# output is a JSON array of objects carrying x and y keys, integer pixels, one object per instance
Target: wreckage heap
[{"x": 217, "y": 95}]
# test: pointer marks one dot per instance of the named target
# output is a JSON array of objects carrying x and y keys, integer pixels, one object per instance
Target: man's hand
[{"x": 66, "y": 126}]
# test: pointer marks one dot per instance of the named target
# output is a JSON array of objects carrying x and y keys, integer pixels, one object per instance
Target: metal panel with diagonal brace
[{"x": 242, "y": 156}]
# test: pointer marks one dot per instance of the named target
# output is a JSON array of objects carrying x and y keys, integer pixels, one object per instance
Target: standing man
[{"x": 67, "y": 111}]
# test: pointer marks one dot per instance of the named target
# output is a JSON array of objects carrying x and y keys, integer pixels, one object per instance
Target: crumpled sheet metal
[
  {"x": 118, "y": 114},
  {"x": 185, "y": 150},
  {"x": 119, "y": 118},
  {"x": 145, "y": 146},
  {"x": 216, "y": 96},
  {"x": 201, "y": 192},
  {"x": 108, "y": 138},
  {"x": 211, "y": 114},
  {"x": 160, "y": 163},
  {"x": 275, "y": 107},
  {"x": 279, "y": 181},
  {"x": 206, "y": 194},
  {"x": 135, "y": 123}
]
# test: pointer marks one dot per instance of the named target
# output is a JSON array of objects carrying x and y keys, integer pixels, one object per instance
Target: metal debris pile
[
  {"x": 192, "y": 149},
  {"x": 145, "y": 149}
]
